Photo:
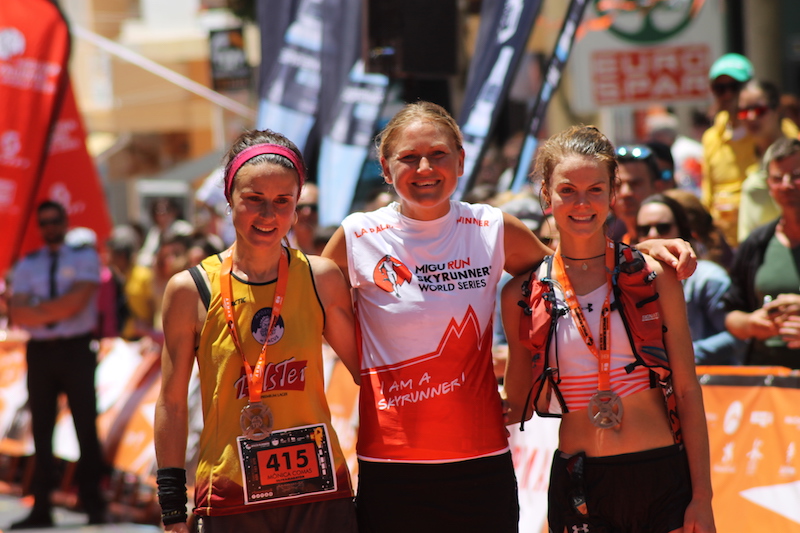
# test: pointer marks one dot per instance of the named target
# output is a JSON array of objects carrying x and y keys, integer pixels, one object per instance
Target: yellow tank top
[{"x": 293, "y": 389}]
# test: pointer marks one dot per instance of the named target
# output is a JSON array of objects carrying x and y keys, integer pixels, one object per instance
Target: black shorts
[
  {"x": 473, "y": 496},
  {"x": 327, "y": 516},
  {"x": 630, "y": 493}
]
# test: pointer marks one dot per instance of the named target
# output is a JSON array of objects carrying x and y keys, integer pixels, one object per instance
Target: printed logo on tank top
[
  {"x": 432, "y": 375},
  {"x": 288, "y": 375},
  {"x": 457, "y": 275},
  {"x": 390, "y": 273},
  {"x": 260, "y": 325},
  {"x": 473, "y": 221},
  {"x": 374, "y": 229}
]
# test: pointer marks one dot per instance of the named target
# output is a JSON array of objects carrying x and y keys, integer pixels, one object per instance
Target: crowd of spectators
[
  {"x": 711, "y": 180},
  {"x": 731, "y": 188},
  {"x": 711, "y": 186}
]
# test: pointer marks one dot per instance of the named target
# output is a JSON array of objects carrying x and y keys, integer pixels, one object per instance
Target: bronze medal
[
  {"x": 256, "y": 421},
  {"x": 605, "y": 409}
]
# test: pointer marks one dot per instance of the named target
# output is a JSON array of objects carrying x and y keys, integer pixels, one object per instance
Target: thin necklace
[{"x": 584, "y": 266}]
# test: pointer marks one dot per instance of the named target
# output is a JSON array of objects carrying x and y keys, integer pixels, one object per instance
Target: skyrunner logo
[
  {"x": 459, "y": 274},
  {"x": 390, "y": 273}
]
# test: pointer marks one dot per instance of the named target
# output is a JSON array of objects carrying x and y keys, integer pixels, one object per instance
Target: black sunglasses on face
[
  {"x": 661, "y": 228},
  {"x": 50, "y": 222},
  {"x": 720, "y": 88}
]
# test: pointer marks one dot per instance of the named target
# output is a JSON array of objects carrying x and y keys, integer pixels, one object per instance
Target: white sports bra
[{"x": 578, "y": 366}]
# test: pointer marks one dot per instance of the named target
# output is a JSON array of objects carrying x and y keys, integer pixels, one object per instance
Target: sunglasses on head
[
  {"x": 752, "y": 112},
  {"x": 633, "y": 152},
  {"x": 643, "y": 230},
  {"x": 720, "y": 87}
]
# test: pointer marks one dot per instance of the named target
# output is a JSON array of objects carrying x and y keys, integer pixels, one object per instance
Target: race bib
[{"x": 290, "y": 463}]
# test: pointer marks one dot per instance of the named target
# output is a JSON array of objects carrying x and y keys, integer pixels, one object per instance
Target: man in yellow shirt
[{"x": 728, "y": 149}]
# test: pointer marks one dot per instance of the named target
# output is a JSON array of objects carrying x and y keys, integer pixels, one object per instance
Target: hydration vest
[{"x": 635, "y": 297}]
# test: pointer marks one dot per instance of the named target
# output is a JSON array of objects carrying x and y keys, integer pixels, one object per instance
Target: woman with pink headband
[{"x": 253, "y": 318}]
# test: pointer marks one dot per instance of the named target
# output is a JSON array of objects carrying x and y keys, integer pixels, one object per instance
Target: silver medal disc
[
  {"x": 256, "y": 421},
  {"x": 605, "y": 409}
]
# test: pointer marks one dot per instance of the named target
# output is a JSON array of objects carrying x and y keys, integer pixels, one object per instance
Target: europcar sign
[{"x": 645, "y": 52}]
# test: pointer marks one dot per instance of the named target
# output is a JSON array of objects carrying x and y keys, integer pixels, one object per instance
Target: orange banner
[
  {"x": 70, "y": 178},
  {"x": 754, "y": 432},
  {"x": 34, "y": 47},
  {"x": 753, "y": 420}
]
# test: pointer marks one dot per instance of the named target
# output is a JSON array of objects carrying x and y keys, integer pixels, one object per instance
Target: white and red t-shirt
[{"x": 425, "y": 297}]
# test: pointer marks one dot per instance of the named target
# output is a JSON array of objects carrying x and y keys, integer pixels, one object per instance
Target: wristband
[{"x": 172, "y": 495}]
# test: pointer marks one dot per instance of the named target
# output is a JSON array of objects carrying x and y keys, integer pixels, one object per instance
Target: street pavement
[{"x": 13, "y": 509}]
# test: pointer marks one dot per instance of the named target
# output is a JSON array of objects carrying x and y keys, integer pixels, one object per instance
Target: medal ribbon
[
  {"x": 255, "y": 376},
  {"x": 603, "y": 351}
]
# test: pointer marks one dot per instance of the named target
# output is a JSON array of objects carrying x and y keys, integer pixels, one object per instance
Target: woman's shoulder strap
[{"x": 203, "y": 284}]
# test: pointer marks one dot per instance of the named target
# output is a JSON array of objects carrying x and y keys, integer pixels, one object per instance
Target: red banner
[
  {"x": 34, "y": 47},
  {"x": 69, "y": 178}
]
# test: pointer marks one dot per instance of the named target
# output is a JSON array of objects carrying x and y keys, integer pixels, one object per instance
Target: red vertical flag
[
  {"x": 34, "y": 47},
  {"x": 69, "y": 178}
]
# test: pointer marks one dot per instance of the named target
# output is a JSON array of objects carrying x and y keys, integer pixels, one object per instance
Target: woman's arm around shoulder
[
  {"x": 699, "y": 517},
  {"x": 523, "y": 249},
  {"x": 339, "y": 321},
  {"x": 518, "y": 376},
  {"x": 676, "y": 253}
]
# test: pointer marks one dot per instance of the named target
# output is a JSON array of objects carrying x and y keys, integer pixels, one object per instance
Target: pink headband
[{"x": 262, "y": 149}]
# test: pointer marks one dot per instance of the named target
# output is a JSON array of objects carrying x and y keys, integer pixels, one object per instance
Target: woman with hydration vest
[{"x": 589, "y": 331}]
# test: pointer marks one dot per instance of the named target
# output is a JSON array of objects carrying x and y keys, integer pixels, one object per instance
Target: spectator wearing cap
[
  {"x": 759, "y": 113},
  {"x": 728, "y": 148}
]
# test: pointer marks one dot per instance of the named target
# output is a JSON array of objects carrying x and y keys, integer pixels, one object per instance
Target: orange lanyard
[
  {"x": 255, "y": 377},
  {"x": 603, "y": 351}
]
